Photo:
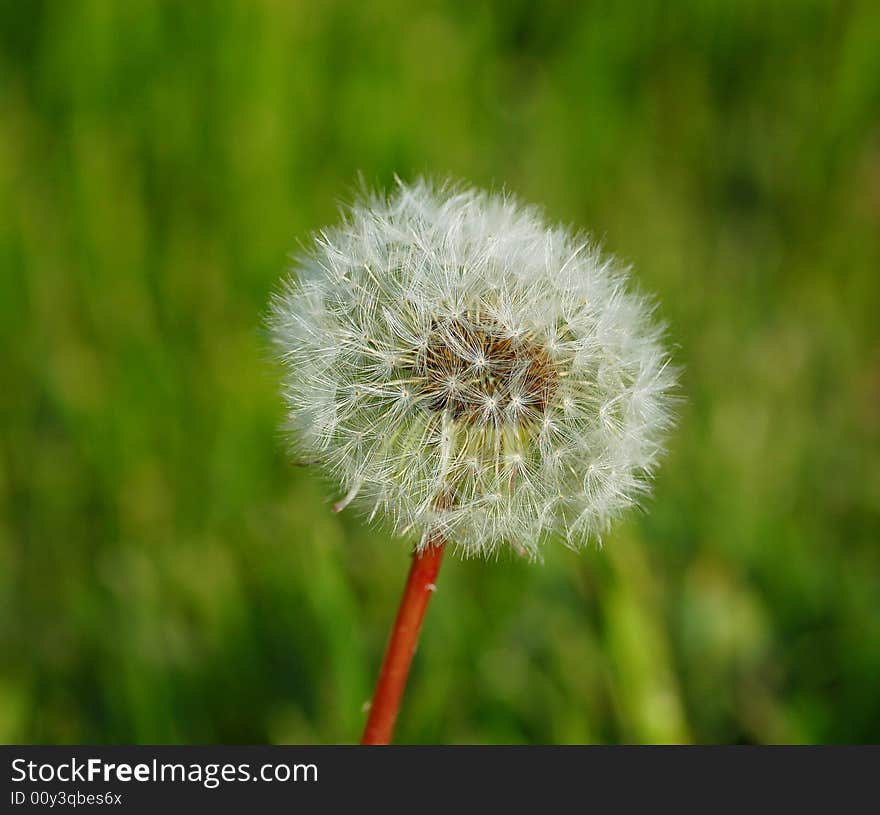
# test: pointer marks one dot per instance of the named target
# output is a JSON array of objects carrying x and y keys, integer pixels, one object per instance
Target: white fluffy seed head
[{"x": 463, "y": 369}]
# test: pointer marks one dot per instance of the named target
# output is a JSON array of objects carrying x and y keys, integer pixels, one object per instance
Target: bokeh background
[{"x": 166, "y": 575}]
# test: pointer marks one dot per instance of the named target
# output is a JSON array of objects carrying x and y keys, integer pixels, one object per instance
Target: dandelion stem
[{"x": 402, "y": 645}]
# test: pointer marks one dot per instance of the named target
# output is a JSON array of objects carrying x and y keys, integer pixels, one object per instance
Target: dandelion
[{"x": 474, "y": 377}]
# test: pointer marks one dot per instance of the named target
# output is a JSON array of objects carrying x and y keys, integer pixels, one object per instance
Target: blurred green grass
[{"x": 167, "y": 576}]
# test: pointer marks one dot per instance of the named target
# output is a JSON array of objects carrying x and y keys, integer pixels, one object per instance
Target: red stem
[{"x": 402, "y": 645}]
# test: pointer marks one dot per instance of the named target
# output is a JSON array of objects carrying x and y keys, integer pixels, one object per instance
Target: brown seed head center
[{"x": 477, "y": 371}]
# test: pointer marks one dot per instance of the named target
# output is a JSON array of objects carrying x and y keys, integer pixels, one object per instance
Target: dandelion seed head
[{"x": 460, "y": 367}]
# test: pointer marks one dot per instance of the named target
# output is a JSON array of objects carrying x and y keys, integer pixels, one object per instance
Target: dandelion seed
[{"x": 441, "y": 325}]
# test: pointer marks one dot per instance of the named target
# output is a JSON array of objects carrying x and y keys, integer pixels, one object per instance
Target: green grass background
[{"x": 167, "y": 576}]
